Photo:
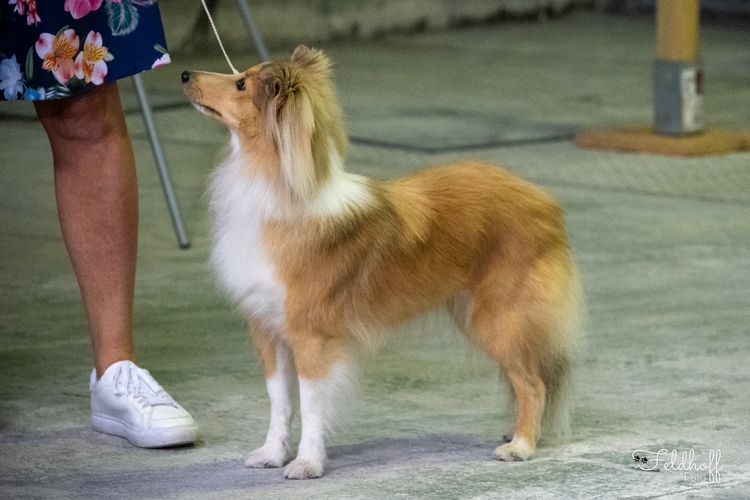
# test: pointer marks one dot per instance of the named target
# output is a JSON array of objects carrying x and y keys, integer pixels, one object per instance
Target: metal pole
[
  {"x": 161, "y": 166},
  {"x": 678, "y": 79},
  {"x": 247, "y": 16}
]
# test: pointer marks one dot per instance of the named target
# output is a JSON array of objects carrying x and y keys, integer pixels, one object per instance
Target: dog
[{"x": 322, "y": 261}]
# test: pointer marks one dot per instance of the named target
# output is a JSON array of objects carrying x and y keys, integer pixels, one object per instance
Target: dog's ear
[
  {"x": 310, "y": 59},
  {"x": 274, "y": 90},
  {"x": 299, "y": 52},
  {"x": 280, "y": 81}
]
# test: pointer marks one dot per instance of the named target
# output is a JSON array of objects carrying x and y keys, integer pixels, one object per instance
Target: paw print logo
[{"x": 640, "y": 457}]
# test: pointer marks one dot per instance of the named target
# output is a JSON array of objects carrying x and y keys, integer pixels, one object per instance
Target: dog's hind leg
[
  {"x": 281, "y": 384},
  {"x": 489, "y": 322},
  {"x": 325, "y": 381},
  {"x": 527, "y": 326},
  {"x": 519, "y": 363},
  {"x": 530, "y": 394}
]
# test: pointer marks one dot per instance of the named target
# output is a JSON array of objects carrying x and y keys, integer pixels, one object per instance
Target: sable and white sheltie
[{"x": 322, "y": 261}]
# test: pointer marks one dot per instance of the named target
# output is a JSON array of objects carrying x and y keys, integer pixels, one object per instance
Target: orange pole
[{"x": 677, "y": 23}]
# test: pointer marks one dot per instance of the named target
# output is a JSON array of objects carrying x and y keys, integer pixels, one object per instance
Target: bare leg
[{"x": 97, "y": 202}]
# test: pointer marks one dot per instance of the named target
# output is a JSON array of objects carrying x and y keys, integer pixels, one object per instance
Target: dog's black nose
[{"x": 185, "y": 76}]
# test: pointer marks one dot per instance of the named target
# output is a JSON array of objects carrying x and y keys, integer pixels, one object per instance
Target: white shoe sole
[{"x": 150, "y": 438}]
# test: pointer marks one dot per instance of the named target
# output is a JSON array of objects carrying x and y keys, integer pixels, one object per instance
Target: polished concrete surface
[{"x": 663, "y": 245}]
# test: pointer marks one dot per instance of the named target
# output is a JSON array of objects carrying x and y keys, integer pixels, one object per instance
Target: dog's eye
[{"x": 240, "y": 84}]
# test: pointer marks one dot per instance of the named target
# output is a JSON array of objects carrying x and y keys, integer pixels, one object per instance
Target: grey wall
[{"x": 286, "y": 23}]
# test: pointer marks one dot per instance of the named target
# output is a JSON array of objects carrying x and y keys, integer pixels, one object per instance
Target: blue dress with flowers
[{"x": 58, "y": 48}]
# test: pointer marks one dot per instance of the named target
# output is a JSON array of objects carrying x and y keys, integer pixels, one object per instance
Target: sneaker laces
[{"x": 131, "y": 381}]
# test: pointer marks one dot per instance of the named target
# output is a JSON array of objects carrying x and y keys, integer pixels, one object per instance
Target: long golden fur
[{"x": 322, "y": 261}]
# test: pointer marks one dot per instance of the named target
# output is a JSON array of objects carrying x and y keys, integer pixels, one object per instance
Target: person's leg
[{"x": 97, "y": 201}]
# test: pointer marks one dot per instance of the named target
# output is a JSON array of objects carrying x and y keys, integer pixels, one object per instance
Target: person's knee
[{"x": 89, "y": 117}]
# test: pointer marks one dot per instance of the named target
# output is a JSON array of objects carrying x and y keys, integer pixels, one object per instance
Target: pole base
[
  {"x": 644, "y": 140},
  {"x": 678, "y": 97}
]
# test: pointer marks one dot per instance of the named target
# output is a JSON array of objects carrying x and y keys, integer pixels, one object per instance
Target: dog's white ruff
[{"x": 239, "y": 204}]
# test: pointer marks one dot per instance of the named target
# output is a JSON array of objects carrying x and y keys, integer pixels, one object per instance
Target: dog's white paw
[
  {"x": 266, "y": 457},
  {"x": 517, "y": 450},
  {"x": 301, "y": 468}
]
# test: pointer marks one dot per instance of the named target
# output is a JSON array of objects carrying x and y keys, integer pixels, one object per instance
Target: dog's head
[{"x": 287, "y": 109}]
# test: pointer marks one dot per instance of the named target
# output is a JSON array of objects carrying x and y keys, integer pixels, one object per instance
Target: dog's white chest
[{"x": 243, "y": 267}]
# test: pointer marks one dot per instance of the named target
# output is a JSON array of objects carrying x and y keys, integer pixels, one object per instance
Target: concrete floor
[{"x": 663, "y": 244}]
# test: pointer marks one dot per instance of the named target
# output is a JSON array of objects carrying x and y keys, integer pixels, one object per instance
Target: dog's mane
[{"x": 297, "y": 102}]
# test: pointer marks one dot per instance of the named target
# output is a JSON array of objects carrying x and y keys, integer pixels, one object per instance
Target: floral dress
[{"x": 57, "y": 48}]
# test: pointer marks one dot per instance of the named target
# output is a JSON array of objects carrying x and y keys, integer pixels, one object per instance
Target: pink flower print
[
  {"x": 162, "y": 61},
  {"x": 79, "y": 8},
  {"x": 31, "y": 16},
  {"x": 91, "y": 65},
  {"x": 58, "y": 53},
  {"x": 28, "y": 6},
  {"x": 20, "y": 6}
]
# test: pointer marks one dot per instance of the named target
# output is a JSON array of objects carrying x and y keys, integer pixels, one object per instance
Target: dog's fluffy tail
[{"x": 556, "y": 365}]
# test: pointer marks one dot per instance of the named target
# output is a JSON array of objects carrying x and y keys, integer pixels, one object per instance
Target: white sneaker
[{"x": 129, "y": 403}]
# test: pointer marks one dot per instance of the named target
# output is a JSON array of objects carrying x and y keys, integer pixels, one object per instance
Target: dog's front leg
[
  {"x": 281, "y": 384},
  {"x": 311, "y": 457},
  {"x": 325, "y": 383}
]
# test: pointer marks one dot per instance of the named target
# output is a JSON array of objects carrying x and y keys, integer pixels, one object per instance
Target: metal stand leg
[
  {"x": 161, "y": 166},
  {"x": 247, "y": 16}
]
